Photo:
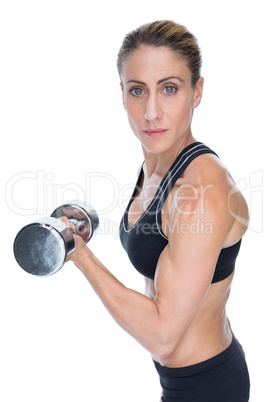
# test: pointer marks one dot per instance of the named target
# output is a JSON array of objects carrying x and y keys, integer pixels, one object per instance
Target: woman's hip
[{"x": 223, "y": 378}]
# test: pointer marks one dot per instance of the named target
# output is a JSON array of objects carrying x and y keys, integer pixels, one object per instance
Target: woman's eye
[
  {"x": 136, "y": 91},
  {"x": 169, "y": 90}
]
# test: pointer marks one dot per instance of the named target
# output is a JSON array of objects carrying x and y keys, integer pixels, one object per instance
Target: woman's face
[{"x": 158, "y": 97}]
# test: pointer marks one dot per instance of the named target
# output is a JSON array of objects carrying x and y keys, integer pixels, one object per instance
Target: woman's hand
[{"x": 80, "y": 246}]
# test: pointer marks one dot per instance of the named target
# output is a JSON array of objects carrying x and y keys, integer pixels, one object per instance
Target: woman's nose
[{"x": 153, "y": 109}]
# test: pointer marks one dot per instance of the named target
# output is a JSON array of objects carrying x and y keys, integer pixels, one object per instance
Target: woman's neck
[{"x": 158, "y": 164}]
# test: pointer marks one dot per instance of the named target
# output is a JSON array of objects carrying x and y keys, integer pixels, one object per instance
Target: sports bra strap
[{"x": 189, "y": 153}]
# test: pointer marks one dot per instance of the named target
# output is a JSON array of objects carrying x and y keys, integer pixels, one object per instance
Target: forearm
[{"x": 134, "y": 312}]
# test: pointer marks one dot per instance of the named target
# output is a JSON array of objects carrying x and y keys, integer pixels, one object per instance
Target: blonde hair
[{"x": 164, "y": 33}]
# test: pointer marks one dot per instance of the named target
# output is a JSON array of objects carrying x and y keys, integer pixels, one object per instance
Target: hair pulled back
[{"x": 164, "y": 33}]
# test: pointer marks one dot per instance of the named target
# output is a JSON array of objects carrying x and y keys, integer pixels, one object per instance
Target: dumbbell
[{"x": 41, "y": 247}]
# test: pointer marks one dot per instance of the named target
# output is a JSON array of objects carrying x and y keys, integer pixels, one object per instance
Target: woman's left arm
[{"x": 183, "y": 276}]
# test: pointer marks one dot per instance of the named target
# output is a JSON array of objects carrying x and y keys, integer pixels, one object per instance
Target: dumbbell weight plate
[
  {"x": 41, "y": 247},
  {"x": 82, "y": 214}
]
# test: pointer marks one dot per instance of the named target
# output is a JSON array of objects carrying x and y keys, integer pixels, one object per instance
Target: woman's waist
[
  {"x": 200, "y": 366},
  {"x": 199, "y": 344}
]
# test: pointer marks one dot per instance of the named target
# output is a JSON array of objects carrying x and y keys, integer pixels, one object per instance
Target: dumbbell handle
[
  {"x": 79, "y": 224},
  {"x": 82, "y": 215}
]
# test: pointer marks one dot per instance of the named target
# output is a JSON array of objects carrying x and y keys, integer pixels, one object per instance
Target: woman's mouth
[{"x": 156, "y": 132}]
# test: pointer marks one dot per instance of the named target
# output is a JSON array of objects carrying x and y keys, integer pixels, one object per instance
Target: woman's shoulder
[
  {"x": 208, "y": 182},
  {"x": 208, "y": 169}
]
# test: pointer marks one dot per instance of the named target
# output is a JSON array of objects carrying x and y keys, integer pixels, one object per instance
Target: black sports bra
[{"x": 145, "y": 240}]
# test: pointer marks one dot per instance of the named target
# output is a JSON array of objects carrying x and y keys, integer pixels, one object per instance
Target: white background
[{"x": 64, "y": 135}]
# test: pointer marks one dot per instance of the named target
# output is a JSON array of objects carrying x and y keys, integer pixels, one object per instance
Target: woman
[{"x": 182, "y": 228}]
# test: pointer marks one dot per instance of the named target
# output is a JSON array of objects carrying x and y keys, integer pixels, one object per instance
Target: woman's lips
[{"x": 156, "y": 132}]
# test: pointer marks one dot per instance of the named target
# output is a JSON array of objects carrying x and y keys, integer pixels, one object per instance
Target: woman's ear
[
  {"x": 198, "y": 92},
  {"x": 122, "y": 89}
]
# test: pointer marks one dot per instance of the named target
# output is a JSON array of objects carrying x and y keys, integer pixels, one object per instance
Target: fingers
[{"x": 69, "y": 223}]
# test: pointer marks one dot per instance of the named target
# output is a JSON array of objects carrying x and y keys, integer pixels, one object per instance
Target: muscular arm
[
  {"x": 183, "y": 277},
  {"x": 134, "y": 312}
]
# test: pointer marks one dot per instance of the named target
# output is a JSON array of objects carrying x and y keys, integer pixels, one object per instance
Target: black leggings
[{"x": 223, "y": 378}]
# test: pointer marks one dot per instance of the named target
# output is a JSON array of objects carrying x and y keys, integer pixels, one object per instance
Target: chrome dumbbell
[{"x": 41, "y": 247}]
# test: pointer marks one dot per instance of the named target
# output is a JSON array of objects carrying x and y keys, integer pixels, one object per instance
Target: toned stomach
[{"x": 209, "y": 333}]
